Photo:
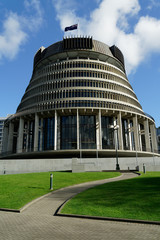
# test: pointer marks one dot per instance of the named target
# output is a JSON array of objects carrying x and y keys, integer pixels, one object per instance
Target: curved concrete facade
[{"x": 79, "y": 101}]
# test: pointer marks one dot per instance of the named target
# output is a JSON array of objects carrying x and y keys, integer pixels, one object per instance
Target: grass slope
[
  {"x": 18, "y": 189},
  {"x": 136, "y": 198}
]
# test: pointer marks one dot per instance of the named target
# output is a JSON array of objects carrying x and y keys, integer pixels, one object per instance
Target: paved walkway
[{"x": 37, "y": 221}]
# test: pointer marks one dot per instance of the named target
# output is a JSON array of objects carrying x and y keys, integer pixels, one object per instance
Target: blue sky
[{"x": 132, "y": 25}]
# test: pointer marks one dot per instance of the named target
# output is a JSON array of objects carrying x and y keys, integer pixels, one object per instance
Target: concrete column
[
  {"x": 136, "y": 133},
  {"x": 55, "y": 131},
  {"x": 58, "y": 132},
  {"x": 78, "y": 137},
  {"x": 5, "y": 139},
  {"x": 130, "y": 139},
  {"x": 120, "y": 137},
  {"x": 10, "y": 137},
  {"x": 140, "y": 137},
  {"x": 147, "y": 137},
  {"x": 20, "y": 135},
  {"x": 36, "y": 130},
  {"x": 153, "y": 138},
  {"x": 115, "y": 133},
  {"x": 100, "y": 130},
  {"x": 97, "y": 131}
]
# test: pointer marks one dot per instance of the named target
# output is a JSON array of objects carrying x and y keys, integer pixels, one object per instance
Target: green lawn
[
  {"x": 137, "y": 198},
  {"x": 18, "y": 189}
]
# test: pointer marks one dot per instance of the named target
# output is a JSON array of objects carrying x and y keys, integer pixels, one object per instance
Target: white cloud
[
  {"x": 12, "y": 37},
  {"x": 111, "y": 23},
  {"x": 148, "y": 30},
  {"x": 141, "y": 43},
  {"x": 16, "y": 27},
  {"x": 65, "y": 12},
  {"x": 33, "y": 21},
  {"x": 153, "y": 3}
]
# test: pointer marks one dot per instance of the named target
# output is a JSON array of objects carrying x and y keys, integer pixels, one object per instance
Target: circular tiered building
[{"x": 79, "y": 101}]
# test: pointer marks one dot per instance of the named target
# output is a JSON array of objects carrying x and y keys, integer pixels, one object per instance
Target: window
[
  {"x": 48, "y": 133},
  {"x": 125, "y": 133},
  {"x": 107, "y": 133},
  {"x": 68, "y": 134},
  {"x": 87, "y": 132},
  {"x": 31, "y": 136},
  {"x": 142, "y": 137}
]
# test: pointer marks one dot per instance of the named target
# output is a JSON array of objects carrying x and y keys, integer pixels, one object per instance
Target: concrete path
[{"x": 37, "y": 221}]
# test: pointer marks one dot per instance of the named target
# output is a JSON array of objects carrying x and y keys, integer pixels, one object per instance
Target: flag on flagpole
[{"x": 70, "y": 28}]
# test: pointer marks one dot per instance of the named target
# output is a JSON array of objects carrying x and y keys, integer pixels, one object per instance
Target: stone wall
[{"x": 13, "y": 166}]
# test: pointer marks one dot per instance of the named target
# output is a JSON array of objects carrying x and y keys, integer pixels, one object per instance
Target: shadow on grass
[
  {"x": 36, "y": 187},
  {"x": 134, "y": 198}
]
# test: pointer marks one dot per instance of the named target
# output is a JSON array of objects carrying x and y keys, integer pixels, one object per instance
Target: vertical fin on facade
[{"x": 77, "y": 43}]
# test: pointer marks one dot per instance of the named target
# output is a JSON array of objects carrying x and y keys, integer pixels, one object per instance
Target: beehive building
[{"x": 79, "y": 101}]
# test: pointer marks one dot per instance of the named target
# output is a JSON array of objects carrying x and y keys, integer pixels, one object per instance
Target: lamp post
[{"x": 116, "y": 131}]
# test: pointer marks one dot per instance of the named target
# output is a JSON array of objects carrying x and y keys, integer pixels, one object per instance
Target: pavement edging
[
  {"x": 108, "y": 219},
  {"x": 45, "y": 195},
  {"x": 25, "y": 206},
  {"x": 57, "y": 213},
  {"x": 10, "y": 210}
]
